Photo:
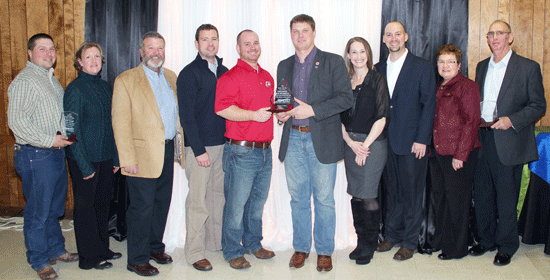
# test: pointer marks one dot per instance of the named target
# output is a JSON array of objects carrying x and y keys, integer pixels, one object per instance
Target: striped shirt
[{"x": 35, "y": 106}]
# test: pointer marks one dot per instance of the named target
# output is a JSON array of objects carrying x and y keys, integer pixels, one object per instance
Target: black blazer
[
  {"x": 412, "y": 105},
  {"x": 329, "y": 93},
  {"x": 521, "y": 98}
]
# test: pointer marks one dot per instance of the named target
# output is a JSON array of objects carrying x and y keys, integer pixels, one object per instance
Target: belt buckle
[{"x": 16, "y": 147}]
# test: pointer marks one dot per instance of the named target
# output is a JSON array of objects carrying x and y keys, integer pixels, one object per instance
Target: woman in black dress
[
  {"x": 92, "y": 159},
  {"x": 366, "y": 146}
]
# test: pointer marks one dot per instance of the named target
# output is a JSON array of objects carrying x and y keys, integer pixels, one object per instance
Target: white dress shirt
[{"x": 393, "y": 70}]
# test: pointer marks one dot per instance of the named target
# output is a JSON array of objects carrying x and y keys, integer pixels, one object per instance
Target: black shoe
[
  {"x": 115, "y": 256},
  {"x": 502, "y": 259},
  {"x": 479, "y": 250},
  {"x": 103, "y": 265},
  {"x": 444, "y": 257}
]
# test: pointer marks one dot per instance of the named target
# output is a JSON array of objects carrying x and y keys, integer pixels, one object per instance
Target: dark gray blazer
[
  {"x": 329, "y": 93},
  {"x": 521, "y": 98}
]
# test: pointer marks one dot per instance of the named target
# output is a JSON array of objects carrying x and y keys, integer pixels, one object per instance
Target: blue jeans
[
  {"x": 305, "y": 176},
  {"x": 246, "y": 186},
  {"x": 44, "y": 179}
]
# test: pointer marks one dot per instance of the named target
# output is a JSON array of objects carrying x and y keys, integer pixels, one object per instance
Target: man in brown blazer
[{"x": 145, "y": 124}]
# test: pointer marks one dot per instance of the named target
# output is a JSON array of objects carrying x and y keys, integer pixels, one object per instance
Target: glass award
[
  {"x": 282, "y": 100},
  {"x": 489, "y": 113},
  {"x": 68, "y": 121}
]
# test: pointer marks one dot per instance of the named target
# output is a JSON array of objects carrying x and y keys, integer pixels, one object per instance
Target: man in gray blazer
[
  {"x": 512, "y": 91},
  {"x": 312, "y": 140}
]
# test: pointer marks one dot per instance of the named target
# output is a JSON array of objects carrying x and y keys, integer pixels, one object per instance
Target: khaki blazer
[{"x": 137, "y": 124}]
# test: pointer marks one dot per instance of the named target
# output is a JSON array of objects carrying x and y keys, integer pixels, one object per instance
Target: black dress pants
[
  {"x": 496, "y": 192},
  {"x": 405, "y": 182},
  {"x": 455, "y": 192},
  {"x": 149, "y": 204},
  {"x": 92, "y": 198}
]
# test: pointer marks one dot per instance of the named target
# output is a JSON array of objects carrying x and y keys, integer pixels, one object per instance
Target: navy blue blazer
[
  {"x": 521, "y": 98},
  {"x": 412, "y": 105},
  {"x": 329, "y": 93}
]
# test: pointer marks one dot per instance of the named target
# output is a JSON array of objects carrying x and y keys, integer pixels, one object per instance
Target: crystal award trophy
[
  {"x": 489, "y": 113},
  {"x": 68, "y": 121},
  {"x": 282, "y": 100}
]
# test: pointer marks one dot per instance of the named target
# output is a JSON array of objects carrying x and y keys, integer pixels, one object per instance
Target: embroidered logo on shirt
[{"x": 268, "y": 84}]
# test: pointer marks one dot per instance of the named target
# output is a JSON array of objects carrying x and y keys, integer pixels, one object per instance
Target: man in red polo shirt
[{"x": 243, "y": 97}]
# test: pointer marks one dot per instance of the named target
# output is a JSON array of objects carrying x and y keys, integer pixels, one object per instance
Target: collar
[
  {"x": 504, "y": 61},
  {"x": 40, "y": 70},
  {"x": 309, "y": 57},
  {"x": 453, "y": 81},
  {"x": 148, "y": 71},
  {"x": 246, "y": 66},
  {"x": 400, "y": 60}
]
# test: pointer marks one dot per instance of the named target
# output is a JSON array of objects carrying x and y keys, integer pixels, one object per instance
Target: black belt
[{"x": 258, "y": 145}]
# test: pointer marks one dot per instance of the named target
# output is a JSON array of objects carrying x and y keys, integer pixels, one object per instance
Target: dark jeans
[{"x": 44, "y": 180}]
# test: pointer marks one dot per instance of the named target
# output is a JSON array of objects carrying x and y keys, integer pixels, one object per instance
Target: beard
[{"x": 149, "y": 63}]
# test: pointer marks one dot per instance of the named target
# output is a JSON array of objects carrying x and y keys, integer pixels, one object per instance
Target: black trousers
[
  {"x": 92, "y": 198},
  {"x": 496, "y": 192},
  {"x": 405, "y": 182},
  {"x": 148, "y": 210},
  {"x": 454, "y": 191}
]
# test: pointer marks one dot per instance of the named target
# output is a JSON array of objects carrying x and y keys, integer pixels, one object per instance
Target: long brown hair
[{"x": 349, "y": 65}]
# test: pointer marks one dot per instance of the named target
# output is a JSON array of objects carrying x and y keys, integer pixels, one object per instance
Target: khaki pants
[{"x": 204, "y": 204}]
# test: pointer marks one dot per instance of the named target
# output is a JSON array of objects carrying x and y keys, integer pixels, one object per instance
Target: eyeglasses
[
  {"x": 449, "y": 62},
  {"x": 496, "y": 33}
]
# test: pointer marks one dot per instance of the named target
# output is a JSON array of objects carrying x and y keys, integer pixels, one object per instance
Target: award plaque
[
  {"x": 68, "y": 121},
  {"x": 489, "y": 116},
  {"x": 282, "y": 101}
]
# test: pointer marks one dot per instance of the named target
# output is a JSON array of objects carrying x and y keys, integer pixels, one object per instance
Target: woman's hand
[
  {"x": 457, "y": 164},
  {"x": 89, "y": 177},
  {"x": 359, "y": 149}
]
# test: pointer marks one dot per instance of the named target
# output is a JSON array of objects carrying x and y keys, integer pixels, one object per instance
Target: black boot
[
  {"x": 357, "y": 209},
  {"x": 372, "y": 227}
]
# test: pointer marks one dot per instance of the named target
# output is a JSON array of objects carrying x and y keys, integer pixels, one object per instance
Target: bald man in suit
[{"x": 145, "y": 123}]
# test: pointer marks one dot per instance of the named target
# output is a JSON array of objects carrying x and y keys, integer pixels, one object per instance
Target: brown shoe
[
  {"x": 47, "y": 272},
  {"x": 324, "y": 263},
  {"x": 263, "y": 254},
  {"x": 239, "y": 263},
  {"x": 384, "y": 246},
  {"x": 66, "y": 257},
  {"x": 161, "y": 258},
  {"x": 298, "y": 258},
  {"x": 202, "y": 265},
  {"x": 144, "y": 269},
  {"x": 403, "y": 254}
]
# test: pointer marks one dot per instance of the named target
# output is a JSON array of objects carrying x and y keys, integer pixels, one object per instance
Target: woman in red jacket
[{"x": 456, "y": 142}]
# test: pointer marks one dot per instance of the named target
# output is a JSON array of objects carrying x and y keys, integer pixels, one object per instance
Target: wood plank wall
[
  {"x": 64, "y": 21},
  {"x": 530, "y": 22}
]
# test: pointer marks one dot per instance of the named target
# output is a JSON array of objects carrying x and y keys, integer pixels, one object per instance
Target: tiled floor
[{"x": 528, "y": 263}]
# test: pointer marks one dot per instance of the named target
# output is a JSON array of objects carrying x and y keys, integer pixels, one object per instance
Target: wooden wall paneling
[
  {"x": 489, "y": 13},
  {"x": 69, "y": 37},
  {"x": 18, "y": 31},
  {"x": 5, "y": 66},
  {"x": 504, "y": 10},
  {"x": 474, "y": 16},
  {"x": 537, "y": 53},
  {"x": 521, "y": 19},
  {"x": 79, "y": 24},
  {"x": 55, "y": 21},
  {"x": 546, "y": 61},
  {"x": 36, "y": 21}
]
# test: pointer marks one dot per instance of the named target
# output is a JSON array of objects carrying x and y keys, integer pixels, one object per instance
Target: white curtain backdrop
[{"x": 336, "y": 22}]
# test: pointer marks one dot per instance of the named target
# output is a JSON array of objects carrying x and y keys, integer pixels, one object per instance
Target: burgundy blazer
[{"x": 457, "y": 117}]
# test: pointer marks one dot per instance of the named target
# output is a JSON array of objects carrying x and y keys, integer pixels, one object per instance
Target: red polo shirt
[{"x": 247, "y": 89}]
